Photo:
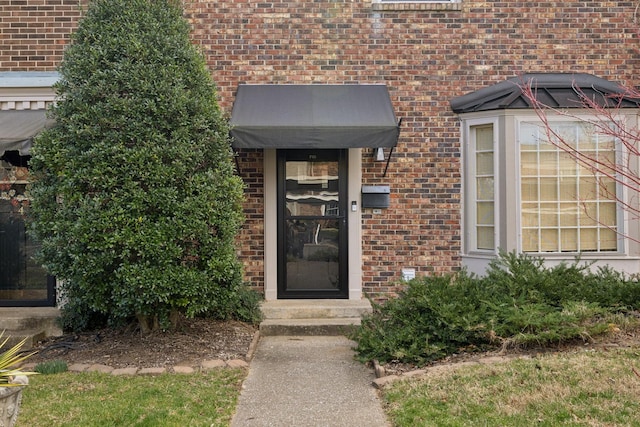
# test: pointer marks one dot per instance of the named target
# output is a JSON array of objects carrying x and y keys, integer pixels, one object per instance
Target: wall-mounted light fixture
[{"x": 380, "y": 155}]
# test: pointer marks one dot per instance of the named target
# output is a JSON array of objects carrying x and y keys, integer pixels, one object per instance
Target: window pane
[
  {"x": 589, "y": 239},
  {"x": 588, "y": 138},
  {"x": 567, "y": 133},
  {"x": 569, "y": 214},
  {"x": 529, "y": 189},
  {"x": 529, "y": 136},
  {"x": 530, "y": 212},
  {"x": 607, "y": 188},
  {"x": 549, "y": 164},
  {"x": 484, "y": 163},
  {"x": 567, "y": 164},
  {"x": 484, "y": 188},
  {"x": 569, "y": 239},
  {"x": 606, "y": 143},
  {"x": 545, "y": 145},
  {"x": 548, "y": 214},
  {"x": 607, "y": 214},
  {"x": 529, "y": 164},
  {"x": 485, "y": 213},
  {"x": 485, "y": 238},
  {"x": 568, "y": 188},
  {"x": 484, "y": 138},
  {"x": 548, "y": 189},
  {"x": 588, "y": 188},
  {"x": 549, "y": 240},
  {"x": 607, "y": 162},
  {"x": 608, "y": 240},
  {"x": 530, "y": 240},
  {"x": 589, "y": 214}
]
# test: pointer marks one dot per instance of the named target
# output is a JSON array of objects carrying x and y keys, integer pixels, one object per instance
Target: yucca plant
[{"x": 10, "y": 361}]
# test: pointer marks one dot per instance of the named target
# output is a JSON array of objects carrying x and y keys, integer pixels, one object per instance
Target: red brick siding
[
  {"x": 251, "y": 239},
  {"x": 424, "y": 57},
  {"x": 33, "y": 33}
]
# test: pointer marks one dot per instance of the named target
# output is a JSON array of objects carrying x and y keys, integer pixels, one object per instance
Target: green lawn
[
  {"x": 582, "y": 388},
  {"x": 93, "y": 399}
]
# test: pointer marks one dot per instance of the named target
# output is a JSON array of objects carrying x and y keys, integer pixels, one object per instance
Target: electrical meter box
[{"x": 376, "y": 196}]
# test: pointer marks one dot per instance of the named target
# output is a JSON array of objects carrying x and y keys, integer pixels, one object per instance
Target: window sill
[{"x": 415, "y": 5}]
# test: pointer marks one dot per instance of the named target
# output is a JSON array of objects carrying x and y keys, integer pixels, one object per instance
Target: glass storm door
[
  {"x": 312, "y": 246},
  {"x": 22, "y": 281}
]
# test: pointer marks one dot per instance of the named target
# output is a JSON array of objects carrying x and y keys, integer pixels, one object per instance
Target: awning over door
[
  {"x": 313, "y": 116},
  {"x": 18, "y": 127}
]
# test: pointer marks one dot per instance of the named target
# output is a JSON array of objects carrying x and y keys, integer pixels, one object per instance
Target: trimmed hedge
[{"x": 518, "y": 302}]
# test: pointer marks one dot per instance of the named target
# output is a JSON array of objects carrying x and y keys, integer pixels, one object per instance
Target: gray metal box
[{"x": 376, "y": 196}]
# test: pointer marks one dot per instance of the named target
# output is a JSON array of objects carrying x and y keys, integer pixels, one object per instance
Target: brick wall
[
  {"x": 425, "y": 57},
  {"x": 33, "y": 33}
]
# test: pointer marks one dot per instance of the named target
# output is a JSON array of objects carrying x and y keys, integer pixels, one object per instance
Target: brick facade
[{"x": 425, "y": 57}]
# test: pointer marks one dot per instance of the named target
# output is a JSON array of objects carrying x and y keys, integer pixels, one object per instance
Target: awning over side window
[
  {"x": 313, "y": 116},
  {"x": 18, "y": 127},
  {"x": 558, "y": 90}
]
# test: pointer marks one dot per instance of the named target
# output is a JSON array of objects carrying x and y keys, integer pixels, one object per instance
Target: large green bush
[
  {"x": 520, "y": 301},
  {"x": 135, "y": 198}
]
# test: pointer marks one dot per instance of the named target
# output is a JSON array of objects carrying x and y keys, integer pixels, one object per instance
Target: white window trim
[
  {"x": 417, "y": 1},
  {"x": 392, "y": 5},
  {"x": 470, "y": 196}
]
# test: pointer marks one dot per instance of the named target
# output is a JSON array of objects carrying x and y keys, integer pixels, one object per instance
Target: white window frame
[
  {"x": 470, "y": 190},
  {"x": 620, "y": 212},
  {"x": 417, "y": 1},
  {"x": 417, "y": 5}
]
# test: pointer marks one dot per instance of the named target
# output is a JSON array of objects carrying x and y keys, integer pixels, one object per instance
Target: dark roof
[
  {"x": 557, "y": 90},
  {"x": 313, "y": 116}
]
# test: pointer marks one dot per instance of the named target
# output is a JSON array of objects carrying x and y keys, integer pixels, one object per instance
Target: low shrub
[{"x": 519, "y": 301}]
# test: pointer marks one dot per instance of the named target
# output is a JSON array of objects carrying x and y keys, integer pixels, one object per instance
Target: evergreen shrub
[
  {"x": 135, "y": 200},
  {"x": 519, "y": 301}
]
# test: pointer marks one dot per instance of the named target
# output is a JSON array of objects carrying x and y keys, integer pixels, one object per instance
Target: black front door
[
  {"x": 23, "y": 282},
  {"x": 312, "y": 222}
]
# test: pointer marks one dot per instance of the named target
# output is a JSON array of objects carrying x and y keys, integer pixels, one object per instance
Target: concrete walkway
[{"x": 308, "y": 381}]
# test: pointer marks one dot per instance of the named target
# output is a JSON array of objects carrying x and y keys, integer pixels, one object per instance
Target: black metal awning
[
  {"x": 558, "y": 90},
  {"x": 313, "y": 116},
  {"x": 18, "y": 127}
]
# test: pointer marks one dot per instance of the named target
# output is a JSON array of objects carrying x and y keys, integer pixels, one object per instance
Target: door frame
[{"x": 354, "y": 221}]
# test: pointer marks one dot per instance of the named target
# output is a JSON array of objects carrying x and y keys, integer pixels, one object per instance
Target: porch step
[
  {"x": 337, "y": 326},
  {"x": 34, "y": 323},
  {"x": 312, "y": 317},
  {"x": 32, "y": 336}
]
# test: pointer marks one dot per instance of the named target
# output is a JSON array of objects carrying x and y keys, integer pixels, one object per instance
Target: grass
[
  {"x": 582, "y": 388},
  {"x": 94, "y": 399}
]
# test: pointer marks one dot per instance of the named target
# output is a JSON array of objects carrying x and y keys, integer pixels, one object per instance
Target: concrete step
[
  {"x": 34, "y": 323},
  {"x": 312, "y": 316},
  {"x": 335, "y": 326},
  {"x": 32, "y": 336},
  {"x": 315, "y": 309}
]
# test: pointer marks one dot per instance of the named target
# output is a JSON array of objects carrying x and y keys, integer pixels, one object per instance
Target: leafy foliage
[
  {"x": 518, "y": 302},
  {"x": 10, "y": 361},
  {"x": 135, "y": 198}
]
